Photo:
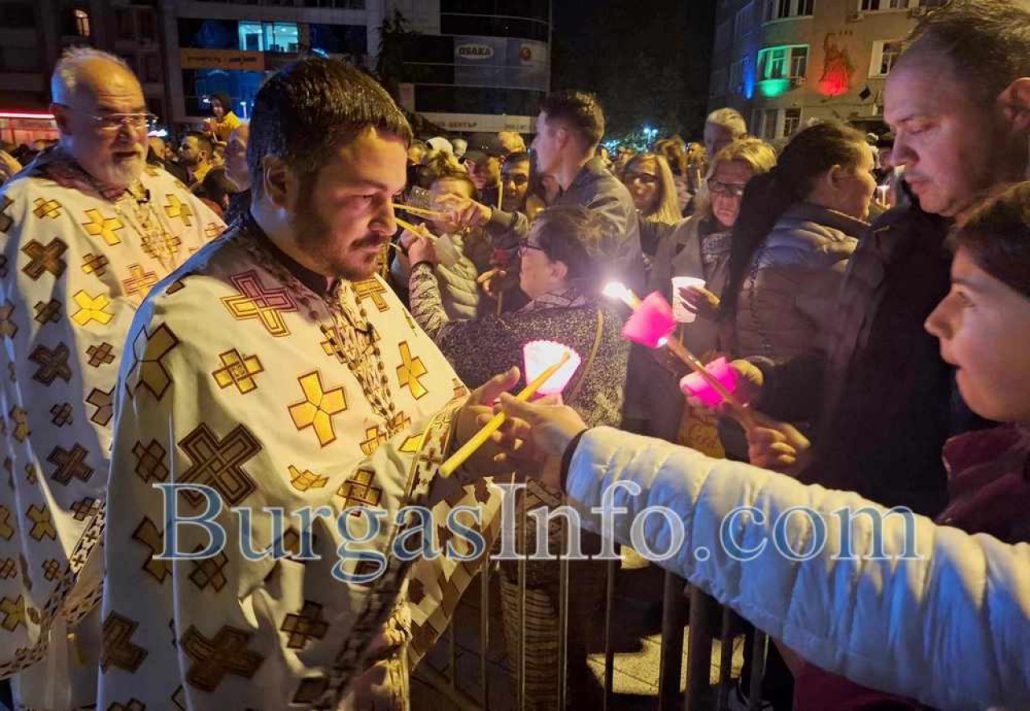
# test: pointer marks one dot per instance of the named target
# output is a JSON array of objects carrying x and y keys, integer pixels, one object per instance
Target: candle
[{"x": 479, "y": 439}]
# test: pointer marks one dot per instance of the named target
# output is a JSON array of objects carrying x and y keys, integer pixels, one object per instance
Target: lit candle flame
[{"x": 618, "y": 290}]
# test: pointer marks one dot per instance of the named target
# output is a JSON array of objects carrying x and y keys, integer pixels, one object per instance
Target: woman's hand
[{"x": 701, "y": 301}]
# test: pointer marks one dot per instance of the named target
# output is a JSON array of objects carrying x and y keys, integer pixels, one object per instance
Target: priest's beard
[{"x": 354, "y": 261}]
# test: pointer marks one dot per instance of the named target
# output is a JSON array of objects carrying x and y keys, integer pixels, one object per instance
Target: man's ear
[
  {"x": 277, "y": 181},
  {"x": 1015, "y": 103},
  {"x": 834, "y": 177},
  {"x": 62, "y": 117}
]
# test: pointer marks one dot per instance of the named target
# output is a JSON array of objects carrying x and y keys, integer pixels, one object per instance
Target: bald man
[{"x": 86, "y": 230}]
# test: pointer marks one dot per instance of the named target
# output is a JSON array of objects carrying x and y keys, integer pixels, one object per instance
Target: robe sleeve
[
  {"x": 238, "y": 629},
  {"x": 63, "y": 320}
]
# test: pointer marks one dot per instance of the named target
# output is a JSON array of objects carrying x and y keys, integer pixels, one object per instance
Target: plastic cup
[{"x": 680, "y": 309}]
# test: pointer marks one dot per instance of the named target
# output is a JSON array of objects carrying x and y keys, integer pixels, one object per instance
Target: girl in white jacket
[{"x": 902, "y": 604}]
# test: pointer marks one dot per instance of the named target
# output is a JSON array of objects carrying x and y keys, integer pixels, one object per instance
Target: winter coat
[
  {"x": 886, "y": 401},
  {"x": 948, "y": 626},
  {"x": 787, "y": 297}
]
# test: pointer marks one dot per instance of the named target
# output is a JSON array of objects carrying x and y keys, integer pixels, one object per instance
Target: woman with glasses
[
  {"x": 699, "y": 247},
  {"x": 561, "y": 272},
  {"x": 799, "y": 225}
]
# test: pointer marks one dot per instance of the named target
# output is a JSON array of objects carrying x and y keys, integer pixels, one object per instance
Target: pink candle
[
  {"x": 651, "y": 323},
  {"x": 696, "y": 386}
]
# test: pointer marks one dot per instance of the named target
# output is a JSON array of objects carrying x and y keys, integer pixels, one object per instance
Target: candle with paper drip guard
[
  {"x": 652, "y": 324},
  {"x": 563, "y": 364}
]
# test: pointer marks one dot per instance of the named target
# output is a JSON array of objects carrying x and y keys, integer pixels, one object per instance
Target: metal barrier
[{"x": 703, "y": 610}]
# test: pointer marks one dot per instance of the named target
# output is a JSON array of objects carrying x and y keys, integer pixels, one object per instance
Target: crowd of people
[{"x": 310, "y": 311}]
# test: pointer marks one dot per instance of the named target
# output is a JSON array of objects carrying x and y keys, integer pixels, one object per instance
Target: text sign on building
[
  {"x": 193, "y": 58},
  {"x": 501, "y": 62},
  {"x": 480, "y": 122}
]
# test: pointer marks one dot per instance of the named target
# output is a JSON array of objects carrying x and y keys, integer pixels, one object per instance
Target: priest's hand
[
  {"x": 546, "y": 428},
  {"x": 496, "y": 455}
]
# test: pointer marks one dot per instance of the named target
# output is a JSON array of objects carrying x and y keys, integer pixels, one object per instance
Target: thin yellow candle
[
  {"x": 479, "y": 438},
  {"x": 415, "y": 230},
  {"x": 417, "y": 210}
]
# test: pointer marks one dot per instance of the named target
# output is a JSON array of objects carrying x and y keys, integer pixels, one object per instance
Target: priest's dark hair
[{"x": 311, "y": 106}]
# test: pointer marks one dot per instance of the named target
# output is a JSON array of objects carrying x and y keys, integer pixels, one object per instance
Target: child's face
[{"x": 984, "y": 328}]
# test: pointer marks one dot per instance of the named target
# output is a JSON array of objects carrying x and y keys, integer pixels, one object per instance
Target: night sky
[{"x": 647, "y": 60}]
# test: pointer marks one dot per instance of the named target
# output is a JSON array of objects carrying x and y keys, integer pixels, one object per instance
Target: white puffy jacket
[{"x": 951, "y": 629}]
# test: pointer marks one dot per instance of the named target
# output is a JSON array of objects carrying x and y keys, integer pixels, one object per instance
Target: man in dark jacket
[
  {"x": 569, "y": 129},
  {"x": 958, "y": 101}
]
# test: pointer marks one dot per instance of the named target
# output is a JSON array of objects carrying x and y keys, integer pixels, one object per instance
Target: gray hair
[{"x": 64, "y": 80}]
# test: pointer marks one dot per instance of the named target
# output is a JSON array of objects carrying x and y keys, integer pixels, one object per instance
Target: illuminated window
[
  {"x": 791, "y": 121},
  {"x": 81, "y": 22},
  {"x": 785, "y": 62},
  {"x": 885, "y": 53}
]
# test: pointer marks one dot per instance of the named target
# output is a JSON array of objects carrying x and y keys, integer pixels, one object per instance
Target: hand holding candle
[
  {"x": 652, "y": 324},
  {"x": 546, "y": 375}
]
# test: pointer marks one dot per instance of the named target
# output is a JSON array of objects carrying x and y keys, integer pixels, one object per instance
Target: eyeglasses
[
  {"x": 729, "y": 189},
  {"x": 525, "y": 245},
  {"x": 645, "y": 178},
  {"x": 111, "y": 123}
]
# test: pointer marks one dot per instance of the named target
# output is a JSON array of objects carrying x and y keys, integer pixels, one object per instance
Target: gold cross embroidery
[
  {"x": 409, "y": 372},
  {"x": 91, "y": 308},
  {"x": 177, "y": 208},
  {"x": 139, "y": 281},
  {"x": 42, "y": 527},
  {"x": 238, "y": 370},
  {"x": 304, "y": 480},
  {"x": 318, "y": 407},
  {"x": 47, "y": 208},
  {"x": 101, "y": 226}
]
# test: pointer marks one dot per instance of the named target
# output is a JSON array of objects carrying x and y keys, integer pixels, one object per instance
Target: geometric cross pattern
[
  {"x": 70, "y": 464},
  {"x": 7, "y": 325},
  {"x": 44, "y": 259},
  {"x": 100, "y": 355},
  {"x": 147, "y": 534},
  {"x": 53, "y": 364},
  {"x": 150, "y": 461},
  {"x": 102, "y": 401},
  {"x": 91, "y": 308},
  {"x": 177, "y": 208},
  {"x": 42, "y": 527},
  {"x": 47, "y": 208},
  {"x": 149, "y": 349},
  {"x": 5, "y": 220},
  {"x": 139, "y": 281},
  {"x": 14, "y": 612},
  {"x": 210, "y": 571},
  {"x": 49, "y": 312},
  {"x": 318, "y": 407},
  {"x": 219, "y": 463},
  {"x": 116, "y": 645},
  {"x": 304, "y": 480},
  {"x": 84, "y": 508},
  {"x": 371, "y": 289},
  {"x": 94, "y": 264},
  {"x": 309, "y": 624},
  {"x": 226, "y": 653},
  {"x": 237, "y": 370},
  {"x": 255, "y": 301},
  {"x": 105, "y": 227},
  {"x": 409, "y": 372},
  {"x": 360, "y": 490},
  {"x": 62, "y": 414}
]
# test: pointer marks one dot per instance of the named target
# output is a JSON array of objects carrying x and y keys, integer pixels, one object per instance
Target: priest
[{"x": 274, "y": 369}]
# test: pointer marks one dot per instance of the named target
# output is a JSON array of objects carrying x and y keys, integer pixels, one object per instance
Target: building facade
[
  {"x": 230, "y": 46},
  {"x": 475, "y": 65},
  {"x": 33, "y": 33},
  {"x": 784, "y": 62}
]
